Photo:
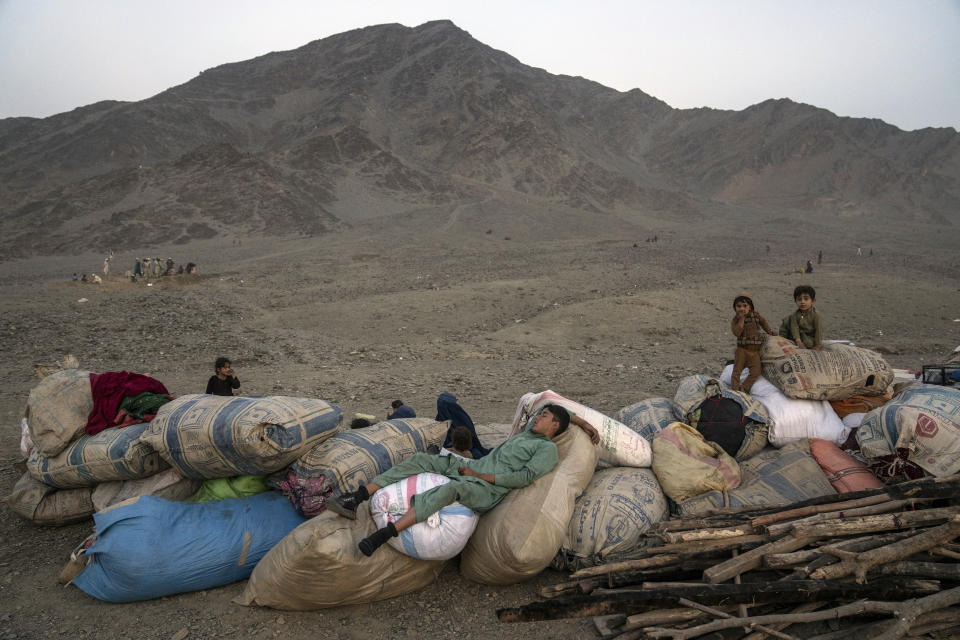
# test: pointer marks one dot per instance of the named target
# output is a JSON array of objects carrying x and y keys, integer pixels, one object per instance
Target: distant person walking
[
  {"x": 820, "y": 257},
  {"x": 809, "y": 268},
  {"x": 138, "y": 269},
  {"x": 859, "y": 251}
]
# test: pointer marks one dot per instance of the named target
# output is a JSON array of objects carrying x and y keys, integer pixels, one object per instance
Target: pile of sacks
[{"x": 707, "y": 447}]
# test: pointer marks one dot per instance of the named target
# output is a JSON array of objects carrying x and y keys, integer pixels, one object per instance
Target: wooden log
[
  {"x": 721, "y": 614},
  {"x": 947, "y": 630},
  {"x": 906, "y": 613},
  {"x": 797, "y": 591},
  {"x": 931, "y": 570},
  {"x": 753, "y": 559},
  {"x": 627, "y": 565},
  {"x": 709, "y": 546},
  {"x": 781, "y": 560},
  {"x": 946, "y": 552},
  {"x": 707, "y": 534},
  {"x": 913, "y": 609},
  {"x": 865, "y": 543},
  {"x": 869, "y": 524},
  {"x": 689, "y": 524},
  {"x": 946, "y": 487},
  {"x": 936, "y": 621},
  {"x": 665, "y": 616},
  {"x": 864, "y": 562},
  {"x": 609, "y": 626},
  {"x": 866, "y": 631},
  {"x": 799, "y": 512},
  {"x": 777, "y": 530},
  {"x": 683, "y": 569},
  {"x": 780, "y": 626}
]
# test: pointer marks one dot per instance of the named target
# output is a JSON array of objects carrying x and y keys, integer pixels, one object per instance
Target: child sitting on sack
[
  {"x": 804, "y": 326},
  {"x": 747, "y": 325}
]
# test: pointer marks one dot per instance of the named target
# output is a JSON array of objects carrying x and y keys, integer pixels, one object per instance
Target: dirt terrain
[{"x": 364, "y": 316}]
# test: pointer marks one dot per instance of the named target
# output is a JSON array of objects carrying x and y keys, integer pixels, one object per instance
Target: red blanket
[{"x": 109, "y": 390}]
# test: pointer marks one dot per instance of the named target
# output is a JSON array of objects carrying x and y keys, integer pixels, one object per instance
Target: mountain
[{"x": 390, "y": 119}]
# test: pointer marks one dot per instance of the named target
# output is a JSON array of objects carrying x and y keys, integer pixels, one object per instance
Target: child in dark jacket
[{"x": 748, "y": 326}]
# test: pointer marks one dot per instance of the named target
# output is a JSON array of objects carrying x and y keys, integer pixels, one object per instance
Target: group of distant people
[
  {"x": 142, "y": 268},
  {"x": 157, "y": 267}
]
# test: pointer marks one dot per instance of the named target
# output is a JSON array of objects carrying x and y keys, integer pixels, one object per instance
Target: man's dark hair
[
  {"x": 359, "y": 423},
  {"x": 221, "y": 362},
  {"x": 461, "y": 438},
  {"x": 804, "y": 288},
  {"x": 561, "y": 415},
  {"x": 396, "y": 404}
]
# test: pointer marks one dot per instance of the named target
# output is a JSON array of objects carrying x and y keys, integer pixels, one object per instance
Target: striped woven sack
[
  {"x": 355, "y": 457},
  {"x": 112, "y": 454},
  {"x": 205, "y": 436}
]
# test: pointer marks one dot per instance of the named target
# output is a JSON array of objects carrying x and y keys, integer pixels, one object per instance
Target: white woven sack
[
  {"x": 442, "y": 536},
  {"x": 620, "y": 446},
  {"x": 794, "y": 419}
]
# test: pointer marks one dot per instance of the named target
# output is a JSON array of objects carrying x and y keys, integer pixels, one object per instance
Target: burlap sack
[
  {"x": 112, "y": 454},
  {"x": 649, "y": 416},
  {"x": 611, "y": 517},
  {"x": 774, "y": 477},
  {"x": 318, "y": 565},
  {"x": 169, "y": 485},
  {"x": 922, "y": 423},
  {"x": 688, "y": 465},
  {"x": 46, "y": 505},
  {"x": 352, "y": 458},
  {"x": 204, "y": 436},
  {"x": 519, "y": 537},
  {"x": 57, "y": 410},
  {"x": 835, "y": 372}
]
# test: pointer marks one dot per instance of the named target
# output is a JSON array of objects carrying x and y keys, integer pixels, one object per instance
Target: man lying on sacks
[{"x": 476, "y": 484}]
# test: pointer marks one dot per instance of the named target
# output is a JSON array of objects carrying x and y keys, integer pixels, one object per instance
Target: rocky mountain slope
[{"x": 389, "y": 120}]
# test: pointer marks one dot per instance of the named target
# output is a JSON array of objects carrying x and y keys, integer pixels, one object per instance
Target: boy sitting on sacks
[
  {"x": 746, "y": 325},
  {"x": 804, "y": 326},
  {"x": 476, "y": 484}
]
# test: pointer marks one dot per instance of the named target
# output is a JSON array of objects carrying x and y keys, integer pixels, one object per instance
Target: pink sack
[{"x": 844, "y": 472}]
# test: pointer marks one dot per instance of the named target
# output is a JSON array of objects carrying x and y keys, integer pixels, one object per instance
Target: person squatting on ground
[
  {"x": 805, "y": 325},
  {"x": 401, "y": 410},
  {"x": 224, "y": 381},
  {"x": 747, "y": 325},
  {"x": 479, "y": 485}
]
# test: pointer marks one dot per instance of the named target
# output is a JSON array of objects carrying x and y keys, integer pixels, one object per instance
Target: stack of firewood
[{"x": 877, "y": 564}]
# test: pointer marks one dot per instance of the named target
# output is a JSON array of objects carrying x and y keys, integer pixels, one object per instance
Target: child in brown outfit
[{"x": 746, "y": 325}]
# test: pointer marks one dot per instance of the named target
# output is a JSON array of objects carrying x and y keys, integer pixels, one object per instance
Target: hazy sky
[{"x": 897, "y": 60}]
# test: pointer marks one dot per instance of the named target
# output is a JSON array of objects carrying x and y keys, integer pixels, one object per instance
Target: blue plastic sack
[{"x": 154, "y": 547}]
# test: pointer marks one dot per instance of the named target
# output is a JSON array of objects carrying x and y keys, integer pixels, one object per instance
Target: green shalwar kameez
[{"x": 514, "y": 464}]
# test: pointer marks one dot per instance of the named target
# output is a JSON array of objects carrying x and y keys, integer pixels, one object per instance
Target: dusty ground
[{"x": 363, "y": 317}]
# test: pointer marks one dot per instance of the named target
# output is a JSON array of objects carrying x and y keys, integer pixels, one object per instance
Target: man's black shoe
[
  {"x": 371, "y": 543},
  {"x": 347, "y": 504}
]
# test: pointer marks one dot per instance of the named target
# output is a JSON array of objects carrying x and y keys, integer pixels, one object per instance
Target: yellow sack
[{"x": 687, "y": 464}]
